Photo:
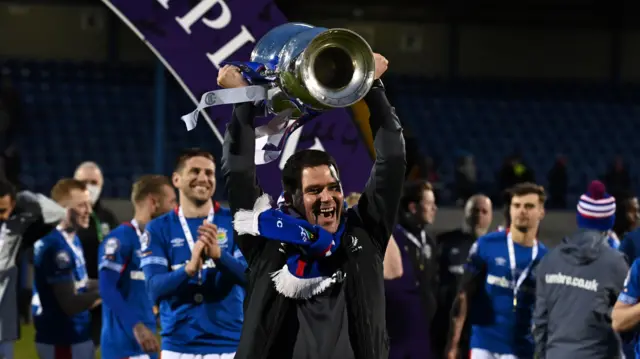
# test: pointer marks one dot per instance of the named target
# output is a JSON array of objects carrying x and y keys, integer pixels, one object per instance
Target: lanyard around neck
[
  {"x": 516, "y": 283},
  {"x": 136, "y": 226},
  {"x": 185, "y": 226},
  {"x": 70, "y": 241},
  {"x": 187, "y": 233}
]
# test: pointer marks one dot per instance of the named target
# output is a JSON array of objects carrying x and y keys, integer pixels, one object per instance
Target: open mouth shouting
[{"x": 327, "y": 217}]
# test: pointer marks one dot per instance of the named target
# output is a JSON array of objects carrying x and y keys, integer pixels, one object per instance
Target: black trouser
[{"x": 96, "y": 325}]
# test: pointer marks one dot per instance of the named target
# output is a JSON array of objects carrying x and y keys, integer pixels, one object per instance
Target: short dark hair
[
  {"x": 622, "y": 223},
  {"x": 190, "y": 153},
  {"x": 7, "y": 189},
  {"x": 525, "y": 188},
  {"x": 148, "y": 185},
  {"x": 292, "y": 171},
  {"x": 413, "y": 191}
]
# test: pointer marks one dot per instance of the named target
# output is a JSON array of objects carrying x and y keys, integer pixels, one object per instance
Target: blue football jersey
[
  {"x": 497, "y": 326},
  {"x": 120, "y": 252},
  {"x": 631, "y": 293},
  {"x": 58, "y": 258},
  {"x": 630, "y": 245},
  {"x": 203, "y": 315}
]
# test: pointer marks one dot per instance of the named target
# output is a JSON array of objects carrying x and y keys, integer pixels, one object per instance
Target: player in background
[
  {"x": 62, "y": 292},
  {"x": 25, "y": 217},
  {"x": 194, "y": 268},
  {"x": 498, "y": 289},
  {"x": 625, "y": 316},
  {"x": 578, "y": 282},
  {"x": 128, "y": 321}
]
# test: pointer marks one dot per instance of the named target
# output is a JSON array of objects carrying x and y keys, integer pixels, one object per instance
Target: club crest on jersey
[
  {"x": 222, "y": 237},
  {"x": 305, "y": 234},
  {"x": 63, "y": 260},
  {"x": 145, "y": 238},
  {"x": 111, "y": 246}
]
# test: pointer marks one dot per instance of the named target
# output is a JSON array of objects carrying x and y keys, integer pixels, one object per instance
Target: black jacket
[
  {"x": 577, "y": 285},
  {"x": 365, "y": 240}
]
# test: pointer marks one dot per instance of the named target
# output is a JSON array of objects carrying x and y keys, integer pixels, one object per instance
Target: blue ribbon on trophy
[{"x": 296, "y": 72}]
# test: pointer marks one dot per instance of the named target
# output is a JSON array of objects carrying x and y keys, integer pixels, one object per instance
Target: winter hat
[{"x": 596, "y": 208}]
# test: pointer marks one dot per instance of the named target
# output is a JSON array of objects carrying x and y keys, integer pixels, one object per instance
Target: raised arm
[
  {"x": 378, "y": 205},
  {"x": 41, "y": 213},
  {"x": 238, "y": 162}
]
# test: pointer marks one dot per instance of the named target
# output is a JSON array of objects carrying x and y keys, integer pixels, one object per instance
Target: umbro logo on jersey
[
  {"x": 177, "y": 242},
  {"x": 500, "y": 261}
]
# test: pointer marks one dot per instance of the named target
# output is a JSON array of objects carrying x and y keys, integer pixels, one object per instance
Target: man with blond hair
[
  {"x": 128, "y": 320},
  {"x": 62, "y": 292}
]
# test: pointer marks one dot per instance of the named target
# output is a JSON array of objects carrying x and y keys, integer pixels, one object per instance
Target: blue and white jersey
[
  {"x": 631, "y": 293},
  {"x": 202, "y": 314},
  {"x": 501, "y": 320},
  {"x": 125, "y": 299},
  {"x": 58, "y": 257}
]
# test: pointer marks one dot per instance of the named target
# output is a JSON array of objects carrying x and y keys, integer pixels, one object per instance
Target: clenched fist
[
  {"x": 381, "y": 65},
  {"x": 231, "y": 77}
]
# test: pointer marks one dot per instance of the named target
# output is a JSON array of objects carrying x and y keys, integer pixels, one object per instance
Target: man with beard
[
  {"x": 129, "y": 323},
  {"x": 193, "y": 267},
  {"x": 498, "y": 288},
  {"x": 316, "y": 286},
  {"x": 411, "y": 300},
  {"x": 62, "y": 292},
  {"x": 101, "y": 223},
  {"x": 24, "y": 218},
  {"x": 453, "y": 252}
]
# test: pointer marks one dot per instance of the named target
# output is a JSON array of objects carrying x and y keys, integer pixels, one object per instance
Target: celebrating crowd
[{"x": 315, "y": 274}]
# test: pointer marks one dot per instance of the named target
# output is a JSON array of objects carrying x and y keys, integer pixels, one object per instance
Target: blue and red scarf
[{"x": 306, "y": 272}]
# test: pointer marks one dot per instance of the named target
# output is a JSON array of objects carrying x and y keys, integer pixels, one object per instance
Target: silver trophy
[
  {"x": 297, "y": 71},
  {"x": 314, "y": 68}
]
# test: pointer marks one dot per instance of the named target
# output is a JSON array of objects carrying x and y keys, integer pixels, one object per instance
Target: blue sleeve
[
  {"x": 628, "y": 247},
  {"x": 233, "y": 265},
  {"x": 155, "y": 264},
  {"x": 58, "y": 264},
  {"x": 631, "y": 291},
  {"x": 111, "y": 297},
  {"x": 114, "y": 255},
  {"x": 476, "y": 263}
]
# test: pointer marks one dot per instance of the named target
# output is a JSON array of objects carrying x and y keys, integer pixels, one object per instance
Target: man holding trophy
[
  {"x": 316, "y": 292},
  {"x": 315, "y": 288}
]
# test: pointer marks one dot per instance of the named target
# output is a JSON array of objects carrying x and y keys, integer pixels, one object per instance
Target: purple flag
[{"x": 192, "y": 38}]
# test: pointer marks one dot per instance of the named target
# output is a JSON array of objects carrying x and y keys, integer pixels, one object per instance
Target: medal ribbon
[{"x": 512, "y": 264}]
